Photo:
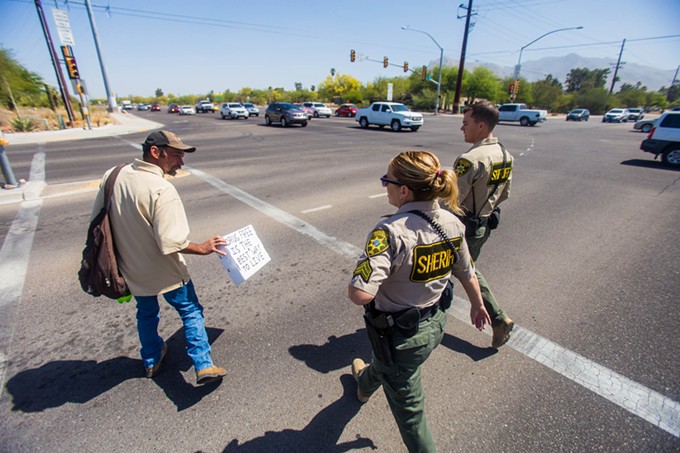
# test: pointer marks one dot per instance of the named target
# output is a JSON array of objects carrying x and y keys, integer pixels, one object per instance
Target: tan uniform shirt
[
  {"x": 478, "y": 170},
  {"x": 149, "y": 228},
  {"x": 406, "y": 263}
]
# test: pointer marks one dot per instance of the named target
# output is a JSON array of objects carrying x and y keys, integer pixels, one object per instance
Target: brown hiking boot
[
  {"x": 501, "y": 332},
  {"x": 151, "y": 372},
  {"x": 210, "y": 374},
  {"x": 358, "y": 366}
]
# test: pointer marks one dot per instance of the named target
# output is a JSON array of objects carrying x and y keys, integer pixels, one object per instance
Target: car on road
[
  {"x": 252, "y": 109},
  {"x": 664, "y": 139},
  {"x": 155, "y": 108},
  {"x": 616, "y": 116},
  {"x": 284, "y": 113},
  {"x": 392, "y": 114},
  {"x": 187, "y": 110},
  {"x": 635, "y": 114},
  {"x": 173, "y": 108},
  {"x": 142, "y": 107},
  {"x": 204, "y": 106},
  {"x": 319, "y": 108},
  {"x": 645, "y": 125},
  {"x": 578, "y": 115},
  {"x": 349, "y": 110},
  {"x": 234, "y": 111},
  {"x": 307, "y": 110}
]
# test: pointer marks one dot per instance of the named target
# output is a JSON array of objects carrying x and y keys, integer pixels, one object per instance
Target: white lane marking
[
  {"x": 341, "y": 247},
  {"x": 320, "y": 208},
  {"x": 14, "y": 256},
  {"x": 635, "y": 398},
  {"x": 378, "y": 195}
]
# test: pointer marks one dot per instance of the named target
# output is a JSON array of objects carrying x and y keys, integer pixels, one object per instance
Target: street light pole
[
  {"x": 519, "y": 61},
  {"x": 441, "y": 61}
]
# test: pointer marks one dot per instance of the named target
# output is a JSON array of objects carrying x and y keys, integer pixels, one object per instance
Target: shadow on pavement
[
  {"x": 335, "y": 354},
  {"x": 649, "y": 164},
  {"x": 321, "y": 433},
  {"x": 78, "y": 381},
  {"x": 464, "y": 347}
]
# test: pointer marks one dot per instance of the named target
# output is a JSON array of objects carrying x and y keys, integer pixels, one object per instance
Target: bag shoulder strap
[
  {"x": 108, "y": 186},
  {"x": 440, "y": 231}
]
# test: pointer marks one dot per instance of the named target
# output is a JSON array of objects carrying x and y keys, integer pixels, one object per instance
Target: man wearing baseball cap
[{"x": 150, "y": 230}]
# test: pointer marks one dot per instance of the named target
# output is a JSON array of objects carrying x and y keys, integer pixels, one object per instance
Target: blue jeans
[{"x": 185, "y": 301}]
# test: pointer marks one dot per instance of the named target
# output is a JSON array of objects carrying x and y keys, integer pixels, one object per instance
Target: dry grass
[{"x": 44, "y": 119}]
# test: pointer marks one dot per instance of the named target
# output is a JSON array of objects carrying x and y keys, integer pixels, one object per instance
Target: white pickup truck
[
  {"x": 204, "y": 106},
  {"x": 391, "y": 114},
  {"x": 520, "y": 112}
]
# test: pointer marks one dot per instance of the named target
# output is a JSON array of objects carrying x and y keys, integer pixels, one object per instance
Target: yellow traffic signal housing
[
  {"x": 72, "y": 68},
  {"x": 406, "y": 66},
  {"x": 423, "y": 74},
  {"x": 352, "y": 55},
  {"x": 385, "y": 62}
]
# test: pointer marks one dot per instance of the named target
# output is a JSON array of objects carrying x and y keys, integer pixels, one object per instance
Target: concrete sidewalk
[{"x": 127, "y": 123}]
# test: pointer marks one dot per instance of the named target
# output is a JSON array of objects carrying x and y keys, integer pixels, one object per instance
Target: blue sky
[{"x": 194, "y": 47}]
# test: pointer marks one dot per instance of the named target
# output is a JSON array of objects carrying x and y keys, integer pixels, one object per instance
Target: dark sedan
[{"x": 578, "y": 115}]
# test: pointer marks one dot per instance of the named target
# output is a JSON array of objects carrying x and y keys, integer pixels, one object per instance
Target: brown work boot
[
  {"x": 210, "y": 374},
  {"x": 358, "y": 367},
  {"x": 501, "y": 332},
  {"x": 151, "y": 372}
]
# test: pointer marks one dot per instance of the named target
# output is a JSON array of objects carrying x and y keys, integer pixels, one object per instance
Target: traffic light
[
  {"x": 352, "y": 55},
  {"x": 72, "y": 68},
  {"x": 516, "y": 87},
  {"x": 423, "y": 73},
  {"x": 406, "y": 66},
  {"x": 511, "y": 89},
  {"x": 385, "y": 62}
]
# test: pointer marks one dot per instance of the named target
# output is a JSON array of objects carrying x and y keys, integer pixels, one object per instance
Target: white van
[{"x": 125, "y": 104}]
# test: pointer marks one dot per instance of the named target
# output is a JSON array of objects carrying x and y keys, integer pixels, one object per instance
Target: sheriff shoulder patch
[
  {"x": 377, "y": 243},
  {"x": 462, "y": 166}
]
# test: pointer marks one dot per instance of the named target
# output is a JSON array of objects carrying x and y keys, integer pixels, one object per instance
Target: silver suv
[
  {"x": 616, "y": 116},
  {"x": 664, "y": 139},
  {"x": 233, "y": 110}
]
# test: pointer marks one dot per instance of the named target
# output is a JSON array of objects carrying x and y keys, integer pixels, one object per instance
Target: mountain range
[{"x": 559, "y": 67}]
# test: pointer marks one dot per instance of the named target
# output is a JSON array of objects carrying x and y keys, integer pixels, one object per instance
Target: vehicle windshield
[
  {"x": 319, "y": 105},
  {"x": 247, "y": 104},
  {"x": 287, "y": 106},
  {"x": 577, "y": 111},
  {"x": 234, "y": 105},
  {"x": 616, "y": 111},
  {"x": 400, "y": 108}
]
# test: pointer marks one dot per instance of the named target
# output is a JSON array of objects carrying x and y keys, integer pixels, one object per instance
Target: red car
[
  {"x": 155, "y": 108},
  {"x": 346, "y": 110},
  {"x": 307, "y": 110},
  {"x": 173, "y": 108}
]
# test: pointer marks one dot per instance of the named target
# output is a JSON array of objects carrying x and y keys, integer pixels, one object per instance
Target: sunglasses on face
[{"x": 384, "y": 180}]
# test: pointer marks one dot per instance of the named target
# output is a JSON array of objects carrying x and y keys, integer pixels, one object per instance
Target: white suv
[
  {"x": 616, "y": 116},
  {"x": 319, "y": 109},
  {"x": 233, "y": 110},
  {"x": 664, "y": 139}
]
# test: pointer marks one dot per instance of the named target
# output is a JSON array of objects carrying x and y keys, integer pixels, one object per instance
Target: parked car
[
  {"x": 187, "y": 110},
  {"x": 155, "y": 108},
  {"x": 234, "y": 111},
  {"x": 616, "y": 116},
  {"x": 578, "y": 115},
  {"x": 319, "y": 109},
  {"x": 347, "y": 110},
  {"x": 645, "y": 125},
  {"x": 664, "y": 139},
  {"x": 142, "y": 107},
  {"x": 173, "y": 108},
  {"x": 252, "y": 109},
  {"x": 636, "y": 114},
  {"x": 284, "y": 113},
  {"x": 307, "y": 110}
]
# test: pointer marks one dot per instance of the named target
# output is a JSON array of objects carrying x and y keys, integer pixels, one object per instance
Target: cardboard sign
[{"x": 245, "y": 254}]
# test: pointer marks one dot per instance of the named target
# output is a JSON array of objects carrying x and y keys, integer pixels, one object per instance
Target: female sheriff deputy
[{"x": 401, "y": 278}]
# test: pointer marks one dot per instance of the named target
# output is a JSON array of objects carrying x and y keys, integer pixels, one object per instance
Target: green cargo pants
[
  {"x": 475, "y": 244},
  {"x": 401, "y": 381}
]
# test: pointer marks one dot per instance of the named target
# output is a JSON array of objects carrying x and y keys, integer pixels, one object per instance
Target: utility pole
[
  {"x": 109, "y": 96},
  {"x": 461, "y": 65},
  {"x": 675, "y": 78},
  {"x": 63, "y": 88},
  {"x": 618, "y": 65}
]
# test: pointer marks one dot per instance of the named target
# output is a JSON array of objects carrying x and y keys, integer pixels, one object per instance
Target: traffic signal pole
[{"x": 63, "y": 88}]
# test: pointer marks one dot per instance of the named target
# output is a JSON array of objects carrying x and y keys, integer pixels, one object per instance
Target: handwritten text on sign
[{"x": 245, "y": 254}]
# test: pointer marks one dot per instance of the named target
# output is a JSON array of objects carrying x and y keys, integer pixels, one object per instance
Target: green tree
[
  {"x": 594, "y": 99},
  {"x": 335, "y": 88},
  {"x": 548, "y": 94},
  {"x": 584, "y": 79},
  {"x": 481, "y": 84},
  {"x": 631, "y": 95},
  {"x": 159, "y": 93},
  {"x": 26, "y": 86}
]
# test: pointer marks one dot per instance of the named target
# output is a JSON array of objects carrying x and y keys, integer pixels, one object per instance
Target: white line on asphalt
[
  {"x": 635, "y": 398},
  {"x": 320, "y": 208},
  {"x": 14, "y": 255}
]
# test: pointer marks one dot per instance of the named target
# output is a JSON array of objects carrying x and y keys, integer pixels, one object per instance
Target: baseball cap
[{"x": 167, "y": 138}]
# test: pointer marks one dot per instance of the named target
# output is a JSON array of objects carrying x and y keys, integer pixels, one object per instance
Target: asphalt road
[{"x": 585, "y": 261}]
